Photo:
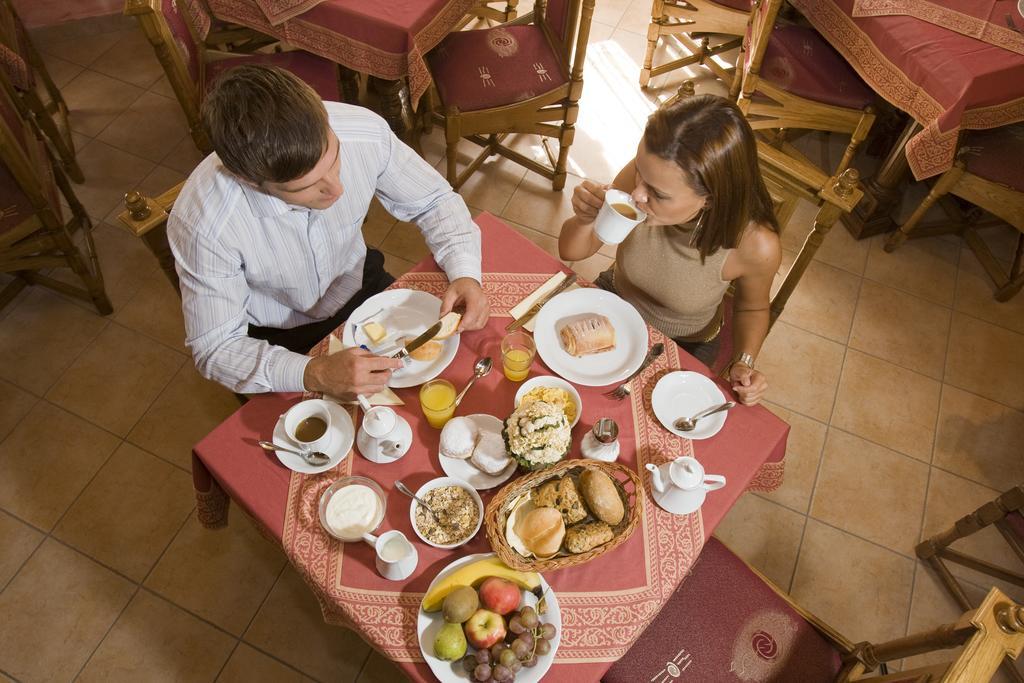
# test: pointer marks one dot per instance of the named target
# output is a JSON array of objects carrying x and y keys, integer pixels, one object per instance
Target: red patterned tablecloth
[
  {"x": 946, "y": 80},
  {"x": 385, "y": 39},
  {"x": 605, "y": 604},
  {"x": 996, "y": 22}
]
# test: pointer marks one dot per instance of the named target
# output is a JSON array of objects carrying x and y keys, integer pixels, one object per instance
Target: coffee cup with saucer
[
  {"x": 680, "y": 486},
  {"x": 335, "y": 442}
]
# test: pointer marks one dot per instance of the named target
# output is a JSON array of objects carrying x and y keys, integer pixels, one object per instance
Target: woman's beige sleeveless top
[{"x": 661, "y": 275}]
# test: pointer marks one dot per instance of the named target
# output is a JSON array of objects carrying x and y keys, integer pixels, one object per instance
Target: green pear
[{"x": 450, "y": 643}]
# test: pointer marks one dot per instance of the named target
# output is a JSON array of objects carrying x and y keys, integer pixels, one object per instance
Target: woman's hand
[
  {"x": 749, "y": 384},
  {"x": 587, "y": 199}
]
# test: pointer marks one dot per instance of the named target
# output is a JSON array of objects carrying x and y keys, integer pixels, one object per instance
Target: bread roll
[
  {"x": 601, "y": 496},
  {"x": 542, "y": 531},
  {"x": 583, "y": 537},
  {"x": 561, "y": 494}
]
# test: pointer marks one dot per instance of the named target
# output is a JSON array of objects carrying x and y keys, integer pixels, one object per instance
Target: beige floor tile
[
  {"x": 803, "y": 453},
  {"x": 887, "y": 404},
  {"x": 592, "y": 267},
  {"x": 870, "y": 491},
  {"x": 981, "y": 360},
  {"x": 187, "y": 410},
  {"x": 35, "y": 488},
  {"x": 839, "y": 248},
  {"x": 636, "y": 18},
  {"x": 126, "y": 369},
  {"x": 129, "y": 512},
  {"x": 858, "y": 588},
  {"x": 824, "y": 300},
  {"x": 94, "y": 100},
  {"x": 163, "y": 87},
  {"x": 535, "y": 205},
  {"x": 41, "y": 337},
  {"x": 82, "y": 50},
  {"x": 291, "y": 627},
  {"x": 109, "y": 173},
  {"x": 610, "y": 12},
  {"x": 492, "y": 185},
  {"x": 396, "y": 265},
  {"x": 249, "y": 665},
  {"x": 979, "y": 439},
  {"x": 149, "y": 128},
  {"x": 155, "y": 641},
  {"x": 765, "y": 535},
  {"x": 19, "y": 541},
  {"x": 55, "y": 612},
  {"x": 185, "y": 156},
  {"x": 160, "y": 180},
  {"x": 901, "y": 328},
  {"x": 221, "y": 575},
  {"x": 974, "y": 290},
  {"x": 61, "y": 71},
  {"x": 925, "y": 267},
  {"x": 131, "y": 60},
  {"x": 15, "y": 405},
  {"x": 406, "y": 241},
  {"x": 380, "y": 669},
  {"x": 155, "y": 311},
  {"x": 802, "y": 370}
]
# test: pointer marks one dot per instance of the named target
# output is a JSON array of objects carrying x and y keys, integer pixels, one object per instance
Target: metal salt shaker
[{"x": 602, "y": 442}]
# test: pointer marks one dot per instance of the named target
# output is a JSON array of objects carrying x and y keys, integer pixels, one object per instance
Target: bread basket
[{"x": 626, "y": 482}]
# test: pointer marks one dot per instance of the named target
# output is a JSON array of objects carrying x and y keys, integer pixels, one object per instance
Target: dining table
[
  {"x": 952, "y": 66},
  {"x": 605, "y": 603}
]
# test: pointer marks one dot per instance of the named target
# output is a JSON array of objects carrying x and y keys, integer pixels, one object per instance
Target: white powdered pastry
[
  {"x": 458, "y": 438},
  {"x": 489, "y": 455}
]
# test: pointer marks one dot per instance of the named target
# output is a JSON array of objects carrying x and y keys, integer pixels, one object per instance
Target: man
[{"x": 266, "y": 234}]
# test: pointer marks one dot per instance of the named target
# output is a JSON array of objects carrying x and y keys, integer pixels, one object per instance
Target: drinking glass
[
  {"x": 437, "y": 399},
  {"x": 517, "y": 352}
]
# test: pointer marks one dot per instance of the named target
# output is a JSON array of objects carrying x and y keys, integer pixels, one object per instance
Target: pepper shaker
[{"x": 602, "y": 442}]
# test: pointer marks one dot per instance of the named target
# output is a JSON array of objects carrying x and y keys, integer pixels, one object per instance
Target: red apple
[
  {"x": 484, "y": 628},
  {"x": 499, "y": 595}
]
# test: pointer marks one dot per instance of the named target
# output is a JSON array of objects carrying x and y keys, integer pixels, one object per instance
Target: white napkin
[
  {"x": 386, "y": 397},
  {"x": 523, "y": 306}
]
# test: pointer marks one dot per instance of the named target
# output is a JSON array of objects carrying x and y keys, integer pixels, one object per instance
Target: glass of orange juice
[
  {"x": 437, "y": 399},
  {"x": 517, "y": 352}
]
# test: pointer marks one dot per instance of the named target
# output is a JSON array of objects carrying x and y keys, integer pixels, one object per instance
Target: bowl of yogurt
[{"x": 352, "y": 507}]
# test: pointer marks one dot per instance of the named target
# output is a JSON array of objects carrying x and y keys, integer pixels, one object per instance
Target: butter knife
[
  {"x": 535, "y": 309},
  {"x": 418, "y": 341}
]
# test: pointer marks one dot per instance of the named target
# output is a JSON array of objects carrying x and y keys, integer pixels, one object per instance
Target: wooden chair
[
  {"x": 790, "y": 78},
  {"x": 695, "y": 24},
  {"x": 988, "y": 174},
  {"x": 501, "y": 11},
  {"x": 728, "y": 622},
  {"x": 522, "y": 77},
  {"x": 37, "y": 93},
  {"x": 1006, "y": 514},
  {"x": 34, "y": 237},
  {"x": 191, "y": 66},
  {"x": 146, "y": 218}
]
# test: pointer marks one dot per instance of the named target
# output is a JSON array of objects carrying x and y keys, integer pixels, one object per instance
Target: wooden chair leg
[
  {"x": 859, "y": 134},
  {"x": 946, "y": 181},
  {"x": 349, "y": 81},
  {"x": 452, "y": 136},
  {"x": 653, "y": 32},
  {"x": 1016, "y": 279},
  {"x": 826, "y": 217}
]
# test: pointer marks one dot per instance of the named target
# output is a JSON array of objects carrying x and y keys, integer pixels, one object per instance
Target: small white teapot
[
  {"x": 384, "y": 435},
  {"x": 681, "y": 485}
]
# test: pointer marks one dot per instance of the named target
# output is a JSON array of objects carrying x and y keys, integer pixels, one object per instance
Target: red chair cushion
[
  {"x": 320, "y": 74},
  {"x": 799, "y": 61},
  {"x": 741, "y": 5},
  {"x": 996, "y": 154},
  {"x": 15, "y": 206},
  {"x": 495, "y": 67},
  {"x": 725, "y": 624}
]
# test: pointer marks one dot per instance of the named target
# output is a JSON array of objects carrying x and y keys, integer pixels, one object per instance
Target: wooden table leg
[
  {"x": 872, "y": 216},
  {"x": 394, "y": 103}
]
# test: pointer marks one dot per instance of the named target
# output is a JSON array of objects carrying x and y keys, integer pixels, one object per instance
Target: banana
[{"x": 473, "y": 575}]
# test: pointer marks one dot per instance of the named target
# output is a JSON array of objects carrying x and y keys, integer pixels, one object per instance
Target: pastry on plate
[
  {"x": 490, "y": 455},
  {"x": 562, "y": 495},
  {"x": 458, "y": 438},
  {"x": 592, "y": 334}
]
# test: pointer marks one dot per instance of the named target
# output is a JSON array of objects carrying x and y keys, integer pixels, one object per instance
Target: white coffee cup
[
  {"x": 617, "y": 217},
  {"x": 396, "y": 556},
  {"x": 294, "y": 425}
]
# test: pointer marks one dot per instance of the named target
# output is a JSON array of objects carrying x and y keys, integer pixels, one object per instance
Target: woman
[{"x": 709, "y": 223}]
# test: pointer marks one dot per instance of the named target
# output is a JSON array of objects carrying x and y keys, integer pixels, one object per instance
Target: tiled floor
[{"x": 899, "y": 374}]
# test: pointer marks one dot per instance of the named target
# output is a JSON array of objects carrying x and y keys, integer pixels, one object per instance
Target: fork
[{"x": 622, "y": 391}]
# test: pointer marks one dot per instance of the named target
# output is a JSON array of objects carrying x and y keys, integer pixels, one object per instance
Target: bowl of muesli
[{"x": 458, "y": 513}]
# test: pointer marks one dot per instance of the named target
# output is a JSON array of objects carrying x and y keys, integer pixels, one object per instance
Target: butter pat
[{"x": 375, "y": 331}]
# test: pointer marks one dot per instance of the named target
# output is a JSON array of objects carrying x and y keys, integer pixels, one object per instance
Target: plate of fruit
[{"x": 482, "y": 621}]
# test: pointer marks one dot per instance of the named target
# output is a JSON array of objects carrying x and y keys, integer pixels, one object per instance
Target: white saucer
[
  {"x": 684, "y": 393},
  {"x": 678, "y": 501},
  {"x": 467, "y": 471},
  {"x": 342, "y": 436}
]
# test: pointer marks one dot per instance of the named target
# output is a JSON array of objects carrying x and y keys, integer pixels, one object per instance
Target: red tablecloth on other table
[
  {"x": 996, "y": 22},
  {"x": 605, "y": 604}
]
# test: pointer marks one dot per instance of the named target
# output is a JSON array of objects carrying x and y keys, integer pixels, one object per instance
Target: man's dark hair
[{"x": 265, "y": 123}]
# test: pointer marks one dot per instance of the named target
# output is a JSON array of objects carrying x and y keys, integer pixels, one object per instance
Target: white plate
[
  {"x": 342, "y": 436},
  {"x": 467, "y": 472},
  {"x": 597, "y": 369},
  {"x": 429, "y": 623},
  {"x": 404, "y": 313},
  {"x": 684, "y": 393},
  {"x": 550, "y": 381}
]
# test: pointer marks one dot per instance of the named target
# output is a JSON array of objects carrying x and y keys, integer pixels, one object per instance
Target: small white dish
[
  {"x": 438, "y": 483},
  {"x": 466, "y": 471},
  {"x": 342, "y": 432},
  {"x": 551, "y": 381},
  {"x": 684, "y": 393},
  {"x": 678, "y": 501}
]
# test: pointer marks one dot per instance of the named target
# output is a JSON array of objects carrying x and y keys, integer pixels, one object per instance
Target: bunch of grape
[{"x": 527, "y": 639}]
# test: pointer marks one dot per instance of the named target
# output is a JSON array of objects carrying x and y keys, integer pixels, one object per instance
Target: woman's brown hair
[
  {"x": 709, "y": 139},
  {"x": 265, "y": 124}
]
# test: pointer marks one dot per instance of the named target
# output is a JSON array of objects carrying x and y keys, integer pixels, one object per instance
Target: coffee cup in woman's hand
[
  {"x": 617, "y": 217},
  {"x": 587, "y": 198}
]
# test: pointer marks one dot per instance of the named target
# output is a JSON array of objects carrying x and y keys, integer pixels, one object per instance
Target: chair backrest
[{"x": 759, "y": 31}]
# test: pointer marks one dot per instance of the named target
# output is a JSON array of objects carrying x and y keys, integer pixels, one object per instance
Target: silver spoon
[
  {"x": 405, "y": 489},
  {"x": 480, "y": 369},
  {"x": 687, "y": 424},
  {"x": 315, "y": 458}
]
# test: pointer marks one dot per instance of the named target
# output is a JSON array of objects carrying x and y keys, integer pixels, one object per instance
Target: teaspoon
[
  {"x": 687, "y": 424},
  {"x": 315, "y": 458},
  {"x": 480, "y": 369}
]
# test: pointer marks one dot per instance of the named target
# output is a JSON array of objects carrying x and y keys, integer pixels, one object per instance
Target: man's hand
[
  {"x": 466, "y": 295},
  {"x": 749, "y": 384},
  {"x": 349, "y": 372}
]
